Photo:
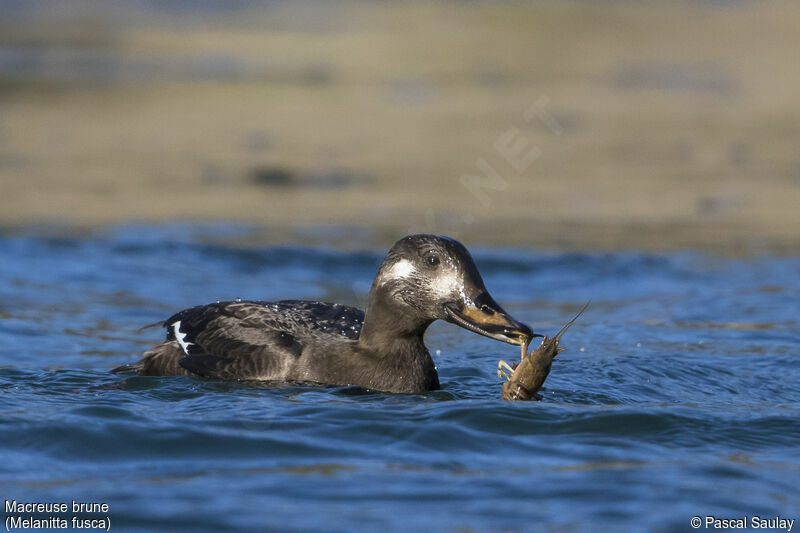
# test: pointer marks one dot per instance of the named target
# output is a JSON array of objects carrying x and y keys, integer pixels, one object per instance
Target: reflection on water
[{"x": 677, "y": 395}]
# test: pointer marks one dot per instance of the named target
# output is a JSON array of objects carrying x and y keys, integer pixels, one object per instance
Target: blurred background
[
  {"x": 568, "y": 124},
  {"x": 156, "y": 155}
]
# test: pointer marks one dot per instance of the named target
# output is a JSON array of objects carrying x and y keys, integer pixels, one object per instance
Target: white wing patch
[
  {"x": 181, "y": 337},
  {"x": 401, "y": 269}
]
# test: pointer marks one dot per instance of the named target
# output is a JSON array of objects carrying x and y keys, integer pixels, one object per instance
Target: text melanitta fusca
[{"x": 423, "y": 278}]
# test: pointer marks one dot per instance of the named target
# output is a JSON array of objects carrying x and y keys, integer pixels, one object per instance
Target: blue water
[{"x": 678, "y": 395}]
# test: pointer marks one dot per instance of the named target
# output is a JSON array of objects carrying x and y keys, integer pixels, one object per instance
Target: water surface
[{"x": 677, "y": 395}]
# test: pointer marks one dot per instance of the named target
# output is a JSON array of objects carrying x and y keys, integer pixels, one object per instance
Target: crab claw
[{"x": 504, "y": 370}]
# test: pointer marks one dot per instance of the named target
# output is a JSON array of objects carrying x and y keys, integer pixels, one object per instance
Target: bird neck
[
  {"x": 391, "y": 340},
  {"x": 388, "y": 324}
]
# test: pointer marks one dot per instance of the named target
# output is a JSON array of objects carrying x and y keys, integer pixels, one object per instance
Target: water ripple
[{"x": 678, "y": 394}]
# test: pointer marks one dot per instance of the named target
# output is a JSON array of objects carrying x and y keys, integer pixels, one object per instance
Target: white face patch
[
  {"x": 181, "y": 337},
  {"x": 445, "y": 284},
  {"x": 400, "y": 270}
]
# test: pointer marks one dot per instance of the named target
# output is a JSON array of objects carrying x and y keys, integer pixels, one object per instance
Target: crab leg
[
  {"x": 524, "y": 349},
  {"x": 504, "y": 370}
]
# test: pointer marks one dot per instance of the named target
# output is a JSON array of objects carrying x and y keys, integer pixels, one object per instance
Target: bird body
[{"x": 423, "y": 278}]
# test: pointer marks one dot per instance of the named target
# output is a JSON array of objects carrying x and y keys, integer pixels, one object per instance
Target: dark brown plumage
[{"x": 423, "y": 278}]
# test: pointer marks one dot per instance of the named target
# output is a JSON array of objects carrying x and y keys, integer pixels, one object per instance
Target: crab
[{"x": 523, "y": 380}]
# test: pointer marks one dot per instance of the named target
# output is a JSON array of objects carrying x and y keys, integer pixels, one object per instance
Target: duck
[{"x": 423, "y": 278}]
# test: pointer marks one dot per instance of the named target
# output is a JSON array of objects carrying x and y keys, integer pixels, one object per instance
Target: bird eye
[{"x": 432, "y": 260}]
